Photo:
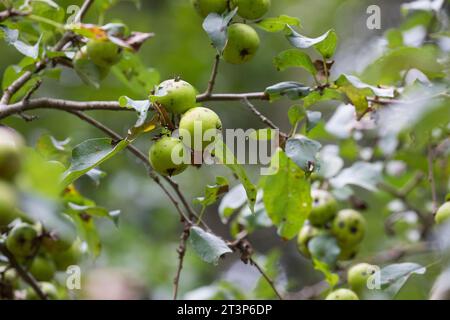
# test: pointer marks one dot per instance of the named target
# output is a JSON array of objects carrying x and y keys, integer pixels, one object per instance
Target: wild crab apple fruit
[
  {"x": 307, "y": 232},
  {"x": 166, "y": 156},
  {"x": 358, "y": 275},
  {"x": 348, "y": 252},
  {"x": 103, "y": 53},
  {"x": 72, "y": 256},
  {"x": 11, "y": 144},
  {"x": 251, "y": 9},
  {"x": 8, "y": 202},
  {"x": 342, "y": 294},
  {"x": 205, "y": 7},
  {"x": 83, "y": 63},
  {"x": 42, "y": 268},
  {"x": 47, "y": 288},
  {"x": 176, "y": 95},
  {"x": 324, "y": 208},
  {"x": 243, "y": 43},
  {"x": 22, "y": 240},
  {"x": 349, "y": 227},
  {"x": 443, "y": 213},
  {"x": 199, "y": 128}
]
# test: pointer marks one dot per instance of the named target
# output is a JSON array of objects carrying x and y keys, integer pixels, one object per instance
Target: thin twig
[
  {"x": 269, "y": 281},
  {"x": 212, "y": 79},
  {"x": 430, "y": 157},
  {"x": 260, "y": 115},
  {"x": 25, "y": 275},
  {"x": 181, "y": 253}
]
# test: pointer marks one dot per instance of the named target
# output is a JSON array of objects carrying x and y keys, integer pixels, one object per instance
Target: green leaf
[
  {"x": 393, "y": 277},
  {"x": 96, "y": 211},
  {"x": 11, "y": 37},
  {"x": 89, "y": 72},
  {"x": 324, "y": 95},
  {"x": 89, "y": 155},
  {"x": 331, "y": 278},
  {"x": 394, "y": 38},
  {"x": 207, "y": 245},
  {"x": 141, "y": 106},
  {"x": 345, "y": 79},
  {"x": 303, "y": 152},
  {"x": 277, "y": 24},
  {"x": 212, "y": 192},
  {"x": 325, "y": 44},
  {"x": 233, "y": 200},
  {"x": 294, "y": 58},
  {"x": 292, "y": 90},
  {"x": 226, "y": 157},
  {"x": 296, "y": 114},
  {"x": 312, "y": 119},
  {"x": 52, "y": 149},
  {"x": 216, "y": 27},
  {"x": 88, "y": 232},
  {"x": 325, "y": 249},
  {"x": 287, "y": 196},
  {"x": 363, "y": 174}
]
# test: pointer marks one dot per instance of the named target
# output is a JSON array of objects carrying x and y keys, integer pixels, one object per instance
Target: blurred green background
[{"x": 139, "y": 257}]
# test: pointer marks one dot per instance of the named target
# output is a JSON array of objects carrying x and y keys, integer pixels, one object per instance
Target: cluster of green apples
[
  {"x": 348, "y": 226},
  {"x": 178, "y": 97},
  {"x": 102, "y": 53},
  {"x": 243, "y": 41},
  {"x": 37, "y": 250}
]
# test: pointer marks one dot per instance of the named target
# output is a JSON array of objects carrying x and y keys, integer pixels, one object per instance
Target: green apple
[
  {"x": 42, "y": 268},
  {"x": 199, "y": 127},
  {"x": 251, "y": 9},
  {"x": 349, "y": 227},
  {"x": 443, "y": 213},
  {"x": 324, "y": 208},
  {"x": 307, "y": 232},
  {"x": 8, "y": 202},
  {"x": 59, "y": 240},
  {"x": 85, "y": 67},
  {"x": 242, "y": 44},
  {"x": 176, "y": 95},
  {"x": 348, "y": 252},
  {"x": 22, "y": 240},
  {"x": 342, "y": 294},
  {"x": 67, "y": 258},
  {"x": 103, "y": 53},
  {"x": 205, "y": 7},
  {"x": 47, "y": 288},
  {"x": 11, "y": 144},
  {"x": 167, "y": 155},
  {"x": 358, "y": 275}
]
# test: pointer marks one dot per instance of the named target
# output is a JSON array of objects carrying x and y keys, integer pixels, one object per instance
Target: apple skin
[
  {"x": 358, "y": 275},
  {"x": 349, "y": 227},
  {"x": 324, "y": 208},
  {"x": 348, "y": 253},
  {"x": 67, "y": 258},
  {"x": 160, "y": 155},
  {"x": 103, "y": 53},
  {"x": 251, "y": 9},
  {"x": 22, "y": 240},
  {"x": 11, "y": 144},
  {"x": 307, "y": 232},
  {"x": 205, "y": 7},
  {"x": 8, "y": 203},
  {"x": 42, "y": 268},
  {"x": 443, "y": 213},
  {"x": 242, "y": 45},
  {"x": 47, "y": 288},
  {"x": 176, "y": 95},
  {"x": 342, "y": 294},
  {"x": 81, "y": 59},
  {"x": 202, "y": 119}
]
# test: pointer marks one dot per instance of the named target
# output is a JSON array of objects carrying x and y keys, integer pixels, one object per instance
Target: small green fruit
[
  {"x": 87, "y": 69},
  {"x": 199, "y": 127},
  {"x": 243, "y": 42},
  {"x": 43, "y": 269},
  {"x": 307, "y": 232},
  {"x": 349, "y": 227},
  {"x": 251, "y": 9},
  {"x": 8, "y": 202},
  {"x": 47, "y": 288},
  {"x": 22, "y": 240},
  {"x": 348, "y": 253},
  {"x": 176, "y": 95},
  {"x": 358, "y": 275},
  {"x": 205, "y": 7},
  {"x": 443, "y": 213},
  {"x": 11, "y": 144},
  {"x": 324, "y": 208},
  {"x": 68, "y": 258},
  {"x": 342, "y": 294},
  {"x": 167, "y": 155},
  {"x": 103, "y": 53}
]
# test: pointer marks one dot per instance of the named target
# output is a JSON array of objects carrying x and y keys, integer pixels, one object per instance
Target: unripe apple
[
  {"x": 307, "y": 232},
  {"x": 8, "y": 202},
  {"x": 251, "y": 9},
  {"x": 349, "y": 227},
  {"x": 22, "y": 240},
  {"x": 11, "y": 144},
  {"x": 205, "y": 7},
  {"x": 358, "y": 275},
  {"x": 348, "y": 253},
  {"x": 166, "y": 156},
  {"x": 199, "y": 128},
  {"x": 443, "y": 213},
  {"x": 103, "y": 53},
  {"x": 342, "y": 294},
  {"x": 42, "y": 268},
  {"x": 176, "y": 95},
  {"x": 82, "y": 62},
  {"x": 56, "y": 241},
  {"x": 242, "y": 44},
  {"x": 67, "y": 258},
  {"x": 324, "y": 208},
  {"x": 47, "y": 288}
]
